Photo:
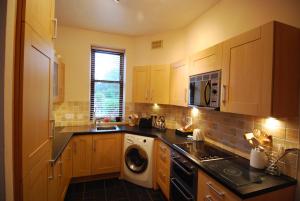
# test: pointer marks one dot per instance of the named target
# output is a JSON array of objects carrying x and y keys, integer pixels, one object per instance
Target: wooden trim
[
  {"x": 17, "y": 104},
  {"x": 3, "y": 14},
  {"x": 108, "y": 49}
]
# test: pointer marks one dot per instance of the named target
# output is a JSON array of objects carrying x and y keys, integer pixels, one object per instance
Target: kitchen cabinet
[
  {"x": 141, "y": 79},
  {"x": 82, "y": 155},
  {"x": 34, "y": 125},
  {"x": 96, "y": 154},
  {"x": 106, "y": 157},
  {"x": 151, "y": 84},
  {"x": 58, "y": 81},
  {"x": 40, "y": 16},
  {"x": 65, "y": 172},
  {"x": 210, "y": 189},
  {"x": 159, "y": 84},
  {"x": 163, "y": 168},
  {"x": 53, "y": 182},
  {"x": 179, "y": 83},
  {"x": 206, "y": 60},
  {"x": 261, "y": 72}
]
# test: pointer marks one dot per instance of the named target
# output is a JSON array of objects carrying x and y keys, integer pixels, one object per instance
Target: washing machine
[{"x": 138, "y": 159}]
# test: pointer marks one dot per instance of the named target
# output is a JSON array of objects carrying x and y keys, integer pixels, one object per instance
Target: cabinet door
[
  {"x": 82, "y": 155},
  {"x": 53, "y": 182},
  {"x": 36, "y": 135},
  {"x": 247, "y": 74},
  {"x": 179, "y": 83},
  {"x": 106, "y": 153},
  {"x": 206, "y": 60},
  {"x": 65, "y": 172},
  {"x": 35, "y": 183},
  {"x": 141, "y": 78},
  {"x": 160, "y": 84},
  {"x": 163, "y": 168},
  {"x": 39, "y": 15}
]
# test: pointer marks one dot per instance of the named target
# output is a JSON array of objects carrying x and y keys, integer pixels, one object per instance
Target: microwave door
[{"x": 205, "y": 93}]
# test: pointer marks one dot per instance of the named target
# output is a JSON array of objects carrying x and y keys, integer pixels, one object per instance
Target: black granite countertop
[{"x": 269, "y": 183}]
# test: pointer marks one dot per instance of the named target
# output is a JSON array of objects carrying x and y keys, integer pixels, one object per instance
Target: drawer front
[
  {"x": 211, "y": 190},
  {"x": 163, "y": 180}
]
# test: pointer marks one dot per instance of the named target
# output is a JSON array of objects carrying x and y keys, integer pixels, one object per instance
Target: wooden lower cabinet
[
  {"x": 211, "y": 190},
  {"x": 106, "y": 156},
  {"x": 82, "y": 155},
  {"x": 65, "y": 172},
  {"x": 96, "y": 154},
  {"x": 163, "y": 168}
]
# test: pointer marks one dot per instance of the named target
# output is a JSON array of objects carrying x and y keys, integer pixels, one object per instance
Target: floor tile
[{"x": 111, "y": 190}]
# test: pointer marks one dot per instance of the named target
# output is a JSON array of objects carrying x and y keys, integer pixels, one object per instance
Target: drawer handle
[
  {"x": 51, "y": 164},
  {"x": 163, "y": 148},
  {"x": 224, "y": 95},
  {"x": 208, "y": 198},
  {"x": 221, "y": 194}
]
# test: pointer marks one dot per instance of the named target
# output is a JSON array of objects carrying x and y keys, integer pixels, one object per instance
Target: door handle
[
  {"x": 224, "y": 94},
  {"x": 205, "y": 90},
  {"x": 219, "y": 193},
  {"x": 55, "y": 28},
  {"x": 51, "y": 164}
]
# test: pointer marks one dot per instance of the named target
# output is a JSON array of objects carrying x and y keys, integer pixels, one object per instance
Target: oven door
[
  {"x": 178, "y": 192},
  {"x": 187, "y": 177}
]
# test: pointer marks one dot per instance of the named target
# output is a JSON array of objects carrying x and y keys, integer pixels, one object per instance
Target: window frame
[{"x": 93, "y": 81}]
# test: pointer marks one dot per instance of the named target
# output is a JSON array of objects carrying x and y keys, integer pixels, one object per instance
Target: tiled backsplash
[
  {"x": 226, "y": 129},
  {"x": 71, "y": 113}
]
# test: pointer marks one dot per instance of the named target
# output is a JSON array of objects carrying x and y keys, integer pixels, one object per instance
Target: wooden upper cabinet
[
  {"x": 58, "y": 81},
  {"x": 82, "y": 155},
  {"x": 39, "y": 15},
  {"x": 106, "y": 153},
  {"x": 141, "y": 78},
  {"x": 151, "y": 84},
  {"x": 261, "y": 72},
  {"x": 179, "y": 83},
  {"x": 206, "y": 60},
  {"x": 160, "y": 84}
]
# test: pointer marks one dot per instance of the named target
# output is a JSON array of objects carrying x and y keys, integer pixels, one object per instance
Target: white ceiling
[{"x": 130, "y": 17}]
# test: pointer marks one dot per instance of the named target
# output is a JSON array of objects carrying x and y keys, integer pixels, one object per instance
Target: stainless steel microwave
[{"x": 205, "y": 89}]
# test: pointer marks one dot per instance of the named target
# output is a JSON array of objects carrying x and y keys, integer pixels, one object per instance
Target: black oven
[{"x": 183, "y": 183}]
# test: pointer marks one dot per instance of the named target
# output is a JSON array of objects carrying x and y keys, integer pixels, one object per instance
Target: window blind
[{"x": 107, "y": 83}]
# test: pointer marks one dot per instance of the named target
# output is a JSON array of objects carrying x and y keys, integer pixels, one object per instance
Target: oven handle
[
  {"x": 173, "y": 181},
  {"x": 182, "y": 168}
]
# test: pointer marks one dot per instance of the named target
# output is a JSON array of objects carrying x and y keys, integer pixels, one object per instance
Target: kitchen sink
[{"x": 107, "y": 128}]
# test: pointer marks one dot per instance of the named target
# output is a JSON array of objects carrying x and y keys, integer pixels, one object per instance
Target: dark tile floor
[{"x": 111, "y": 190}]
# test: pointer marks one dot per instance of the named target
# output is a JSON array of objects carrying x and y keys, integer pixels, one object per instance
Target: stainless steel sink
[{"x": 107, "y": 128}]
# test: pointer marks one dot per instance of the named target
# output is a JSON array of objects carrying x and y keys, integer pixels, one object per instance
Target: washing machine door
[{"x": 136, "y": 159}]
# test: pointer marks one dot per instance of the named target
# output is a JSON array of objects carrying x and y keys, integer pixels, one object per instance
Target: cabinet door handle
[
  {"x": 51, "y": 165},
  {"x": 185, "y": 95},
  {"x": 208, "y": 198},
  {"x": 152, "y": 92},
  {"x": 55, "y": 28},
  {"x": 224, "y": 93},
  {"x": 146, "y": 95},
  {"x": 52, "y": 129},
  {"x": 221, "y": 194}
]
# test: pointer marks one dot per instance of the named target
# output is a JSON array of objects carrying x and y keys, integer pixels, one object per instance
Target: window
[{"x": 107, "y": 82}]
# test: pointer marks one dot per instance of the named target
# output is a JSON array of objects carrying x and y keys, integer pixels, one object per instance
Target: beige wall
[
  {"x": 226, "y": 19},
  {"x": 8, "y": 97},
  {"x": 74, "y": 45}
]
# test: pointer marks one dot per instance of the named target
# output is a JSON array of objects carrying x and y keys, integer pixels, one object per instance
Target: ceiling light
[{"x": 117, "y": 1}]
